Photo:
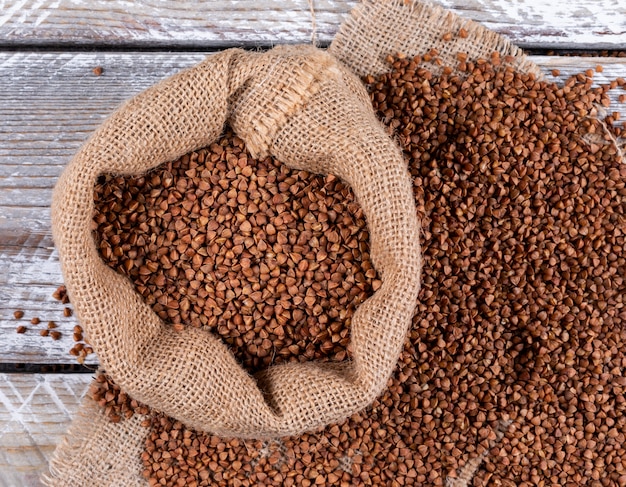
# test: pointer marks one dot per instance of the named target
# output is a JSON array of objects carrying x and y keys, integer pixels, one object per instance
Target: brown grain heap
[
  {"x": 516, "y": 358},
  {"x": 521, "y": 189}
]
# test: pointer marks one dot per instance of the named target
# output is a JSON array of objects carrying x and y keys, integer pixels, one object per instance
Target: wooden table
[{"x": 51, "y": 100}]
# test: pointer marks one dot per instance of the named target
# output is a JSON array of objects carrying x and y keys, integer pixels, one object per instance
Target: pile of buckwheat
[{"x": 513, "y": 373}]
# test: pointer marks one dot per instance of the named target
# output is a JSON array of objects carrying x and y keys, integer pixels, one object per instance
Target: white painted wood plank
[
  {"x": 553, "y": 24},
  {"x": 218, "y": 23},
  {"x": 50, "y": 104},
  {"x": 35, "y": 412}
]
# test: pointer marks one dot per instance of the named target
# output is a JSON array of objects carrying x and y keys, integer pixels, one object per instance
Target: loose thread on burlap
[
  {"x": 268, "y": 448},
  {"x": 619, "y": 143},
  {"x": 466, "y": 474},
  {"x": 313, "y": 24}
]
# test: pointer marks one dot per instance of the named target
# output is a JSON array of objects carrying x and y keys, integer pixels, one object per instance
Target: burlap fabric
[{"x": 306, "y": 108}]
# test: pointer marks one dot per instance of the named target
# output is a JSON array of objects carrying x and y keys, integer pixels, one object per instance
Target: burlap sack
[{"x": 303, "y": 106}]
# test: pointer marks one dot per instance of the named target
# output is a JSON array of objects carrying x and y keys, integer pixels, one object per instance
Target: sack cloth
[{"x": 308, "y": 109}]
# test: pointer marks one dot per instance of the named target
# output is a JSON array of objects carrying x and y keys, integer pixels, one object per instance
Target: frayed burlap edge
[
  {"x": 97, "y": 452},
  {"x": 377, "y": 28}
]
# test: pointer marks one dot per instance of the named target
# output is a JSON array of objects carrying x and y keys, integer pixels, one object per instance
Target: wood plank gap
[{"x": 35, "y": 368}]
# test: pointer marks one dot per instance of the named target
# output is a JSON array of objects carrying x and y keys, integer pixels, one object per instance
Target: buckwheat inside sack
[{"x": 275, "y": 261}]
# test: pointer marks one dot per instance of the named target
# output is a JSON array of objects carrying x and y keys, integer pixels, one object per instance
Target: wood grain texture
[
  {"x": 218, "y": 23},
  {"x": 35, "y": 412},
  {"x": 50, "y": 104},
  {"x": 551, "y": 24}
]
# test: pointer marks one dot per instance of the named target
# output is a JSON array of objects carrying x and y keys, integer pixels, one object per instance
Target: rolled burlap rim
[{"x": 300, "y": 105}]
